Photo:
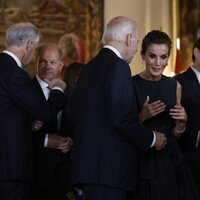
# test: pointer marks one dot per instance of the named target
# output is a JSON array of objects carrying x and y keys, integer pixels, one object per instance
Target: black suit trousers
[
  {"x": 14, "y": 190},
  {"x": 56, "y": 190},
  {"x": 102, "y": 192}
]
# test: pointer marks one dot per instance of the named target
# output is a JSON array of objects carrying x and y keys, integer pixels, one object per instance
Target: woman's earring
[{"x": 143, "y": 62}]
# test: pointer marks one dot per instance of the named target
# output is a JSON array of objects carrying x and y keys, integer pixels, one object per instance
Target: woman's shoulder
[
  {"x": 136, "y": 77},
  {"x": 168, "y": 79}
]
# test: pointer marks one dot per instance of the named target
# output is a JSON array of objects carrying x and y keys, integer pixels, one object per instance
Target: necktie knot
[{"x": 48, "y": 90}]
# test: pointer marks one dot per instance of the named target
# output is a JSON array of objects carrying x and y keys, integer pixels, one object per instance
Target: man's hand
[
  {"x": 67, "y": 145},
  {"x": 56, "y": 141},
  {"x": 37, "y": 125},
  {"x": 161, "y": 140},
  {"x": 56, "y": 83}
]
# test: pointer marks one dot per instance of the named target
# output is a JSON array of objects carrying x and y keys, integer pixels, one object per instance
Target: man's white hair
[
  {"x": 118, "y": 28},
  {"x": 19, "y": 33}
]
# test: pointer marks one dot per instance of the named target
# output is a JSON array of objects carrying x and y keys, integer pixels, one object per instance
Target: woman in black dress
[{"x": 163, "y": 174}]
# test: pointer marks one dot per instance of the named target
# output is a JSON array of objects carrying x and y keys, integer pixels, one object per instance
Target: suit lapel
[
  {"x": 53, "y": 125},
  {"x": 37, "y": 85}
]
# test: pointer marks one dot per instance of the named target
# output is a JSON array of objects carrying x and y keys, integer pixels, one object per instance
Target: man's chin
[{"x": 48, "y": 77}]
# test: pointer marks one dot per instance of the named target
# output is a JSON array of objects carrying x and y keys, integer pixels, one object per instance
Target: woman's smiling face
[{"x": 156, "y": 59}]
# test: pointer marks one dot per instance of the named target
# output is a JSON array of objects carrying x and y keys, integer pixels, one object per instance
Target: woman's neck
[{"x": 148, "y": 77}]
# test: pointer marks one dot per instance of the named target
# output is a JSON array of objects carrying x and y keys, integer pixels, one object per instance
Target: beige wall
[{"x": 150, "y": 14}]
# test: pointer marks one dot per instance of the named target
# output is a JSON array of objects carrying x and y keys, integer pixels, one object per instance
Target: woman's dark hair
[
  {"x": 71, "y": 75},
  {"x": 196, "y": 45},
  {"x": 155, "y": 37}
]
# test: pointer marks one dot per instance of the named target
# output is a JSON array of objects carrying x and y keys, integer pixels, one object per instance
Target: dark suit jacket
[
  {"x": 191, "y": 102},
  {"x": 46, "y": 159},
  {"x": 19, "y": 101},
  {"x": 107, "y": 137}
]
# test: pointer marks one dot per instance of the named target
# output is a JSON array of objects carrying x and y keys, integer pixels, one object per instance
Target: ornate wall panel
[{"x": 76, "y": 25}]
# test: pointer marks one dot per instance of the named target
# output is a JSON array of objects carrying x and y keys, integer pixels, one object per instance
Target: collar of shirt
[
  {"x": 14, "y": 57},
  {"x": 44, "y": 87},
  {"x": 197, "y": 73},
  {"x": 114, "y": 50},
  {"x": 42, "y": 83}
]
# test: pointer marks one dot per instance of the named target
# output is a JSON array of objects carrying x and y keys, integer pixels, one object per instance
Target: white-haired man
[
  {"x": 19, "y": 102},
  {"x": 107, "y": 136}
]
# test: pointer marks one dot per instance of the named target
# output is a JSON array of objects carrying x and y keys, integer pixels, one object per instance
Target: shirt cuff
[
  {"x": 58, "y": 88},
  {"x": 198, "y": 139},
  {"x": 154, "y": 139},
  {"x": 46, "y": 140}
]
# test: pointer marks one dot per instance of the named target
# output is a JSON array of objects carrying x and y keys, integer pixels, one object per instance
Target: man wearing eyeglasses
[{"x": 52, "y": 144}]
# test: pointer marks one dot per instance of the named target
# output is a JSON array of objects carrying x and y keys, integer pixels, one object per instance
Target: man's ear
[
  {"x": 129, "y": 38},
  {"x": 61, "y": 65},
  {"x": 29, "y": 45}
]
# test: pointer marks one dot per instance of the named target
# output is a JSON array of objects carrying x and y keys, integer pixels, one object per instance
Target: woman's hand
[
  {"x": 178, "y": 113},
  {"x": 151, "y": 109}
]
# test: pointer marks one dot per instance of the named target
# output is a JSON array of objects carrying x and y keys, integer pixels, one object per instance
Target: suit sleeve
[
  {"x": 122, "y": 109},
  {"x": 26, "y": 95}
]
